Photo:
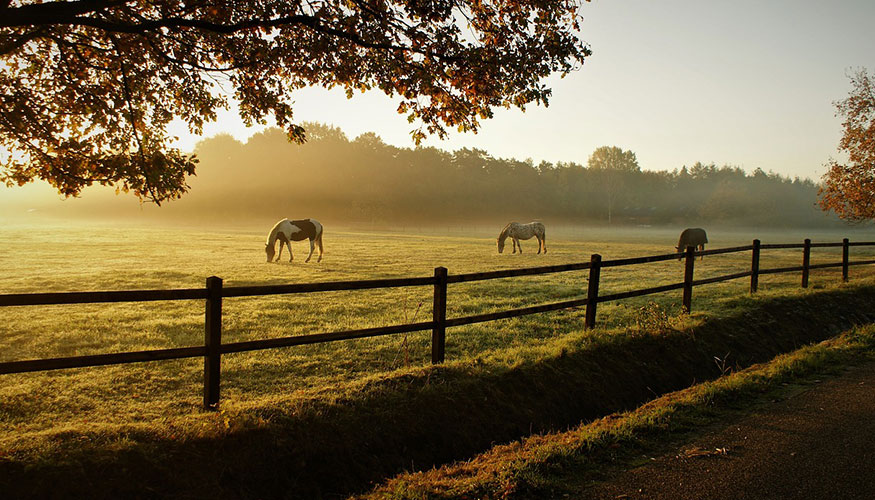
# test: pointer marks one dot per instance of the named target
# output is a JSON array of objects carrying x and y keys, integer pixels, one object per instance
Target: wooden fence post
[
  {"x": 688, "y": 279},
  {"x": 845, "y": 252},
  {"x": 592, "y": 291},
  {"x": 213, "y": 342},
  {"x": 439, "y": 316},
  {"x": 755, "y": 267},
  {"x": 806, "y": 262}
]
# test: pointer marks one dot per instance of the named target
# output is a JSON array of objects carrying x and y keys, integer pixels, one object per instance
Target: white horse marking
[
  {"x": 287, "y": 231},
  {"x": 518, "y": 231}
]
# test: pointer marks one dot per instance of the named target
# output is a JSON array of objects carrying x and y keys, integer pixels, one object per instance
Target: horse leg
[
  {"x": 291, "y": 255},
  {"x": 311, "y": 251},
  {"x": 321, "y": 250},
  {"x": 517, "y": 241},
  {"x": 540, "y": 245},
  {"x": 544, "y": 242},
  {"x": 280, "y": 253}
]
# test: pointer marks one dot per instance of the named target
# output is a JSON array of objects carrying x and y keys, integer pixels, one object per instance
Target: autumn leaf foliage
[
  {"x": 89, "y": 87},
  {"x": 849, "y": 188}
]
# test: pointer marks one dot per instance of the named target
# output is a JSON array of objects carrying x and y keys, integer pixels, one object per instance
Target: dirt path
[{"x": 816, "y": 444}]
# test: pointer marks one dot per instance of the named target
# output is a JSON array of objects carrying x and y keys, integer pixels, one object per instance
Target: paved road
[{"x": 817, "y": 444}]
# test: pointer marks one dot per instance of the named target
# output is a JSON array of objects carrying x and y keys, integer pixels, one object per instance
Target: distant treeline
[{"x": 366, "y": 180}]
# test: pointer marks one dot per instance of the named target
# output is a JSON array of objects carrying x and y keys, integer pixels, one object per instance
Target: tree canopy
[
  {"x": 364, "y": 180},
  {"x": 610, "y": 162},
  {"x": 849, "y": 188},
  {"x": 89, "y": 87},
  {"x": 613, "y": 158}
]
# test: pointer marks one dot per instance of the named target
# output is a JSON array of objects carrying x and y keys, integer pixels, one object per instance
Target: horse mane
[
  {"x": 503, "y": 234},
  {"x": 271, "y": 236}
]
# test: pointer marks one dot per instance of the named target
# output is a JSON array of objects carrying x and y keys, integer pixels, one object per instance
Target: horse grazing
[
  {"x": 287, "y": 231},
  {"x": 518, "y": 232},
  {"x": 692, "y": 237}
]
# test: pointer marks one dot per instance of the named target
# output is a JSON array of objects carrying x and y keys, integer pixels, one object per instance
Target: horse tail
[{"x": 319, "y": 241}]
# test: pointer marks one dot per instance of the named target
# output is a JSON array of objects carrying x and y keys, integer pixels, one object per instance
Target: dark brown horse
[{"x": 692, "y": 237}]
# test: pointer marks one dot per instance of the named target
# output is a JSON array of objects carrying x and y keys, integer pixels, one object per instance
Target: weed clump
[{"x": 653, "y": 318}]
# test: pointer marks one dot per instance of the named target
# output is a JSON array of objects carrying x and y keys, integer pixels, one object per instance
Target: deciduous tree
[
  {"x": 88, "y": 87},
  {"x": 611, "y": 164},
  {"x": 849, "y": 187}
]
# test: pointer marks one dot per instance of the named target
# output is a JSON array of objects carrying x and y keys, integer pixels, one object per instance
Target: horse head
[
  {"x": 270, "y": 251},
  {"x": 500, "y": 245}
]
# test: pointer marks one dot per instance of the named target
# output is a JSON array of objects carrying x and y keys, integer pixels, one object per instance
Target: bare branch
[{"x": 50, "y": 13}]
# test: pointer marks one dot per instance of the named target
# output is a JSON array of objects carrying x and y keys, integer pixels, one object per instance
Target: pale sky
[{"x": 745, "y": 83}]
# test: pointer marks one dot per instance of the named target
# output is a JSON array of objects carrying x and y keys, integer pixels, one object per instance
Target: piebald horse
[
  {"x": 287, "y": 231},
  {"x": 517, "y": 231}
]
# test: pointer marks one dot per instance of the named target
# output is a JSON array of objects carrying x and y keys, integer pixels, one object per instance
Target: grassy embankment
[
  {"x": 555, "y": 465},
  {"x": 298, "y": 408}
]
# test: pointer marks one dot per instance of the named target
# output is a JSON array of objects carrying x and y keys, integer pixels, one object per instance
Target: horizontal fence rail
[
  {"x": 640, "y": 293},
  {"x": 318, "y": 338},
  {"x": 774, "y": 246},
  {"x": 719, "y": 251},
  {"x": 779, "y": 270},
  {"x": 638, "y": 260},
  {"x": 511, "y": 273},
  {"x": 38, "y": 365},
  {"x": 47, "y": 299},
  {"x": 720, "y": 279},
  {"x": 214, "y": 293},
  {"x": 513, "y": 313},
  {"x": 331, "y": 286}
]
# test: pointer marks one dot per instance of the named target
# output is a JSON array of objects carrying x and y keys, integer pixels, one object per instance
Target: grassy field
[{"x": 38, "y": 409}]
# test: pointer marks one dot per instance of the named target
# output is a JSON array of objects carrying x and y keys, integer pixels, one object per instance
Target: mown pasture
[{"x": 165, "y": 397}]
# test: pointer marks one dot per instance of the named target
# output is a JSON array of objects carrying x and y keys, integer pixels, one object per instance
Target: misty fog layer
[{"x": 367, "y": 181}]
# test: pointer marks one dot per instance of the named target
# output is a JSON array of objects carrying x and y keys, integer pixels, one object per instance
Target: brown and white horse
[
  {"x": 517, "y": 231},
  {"x": 287, "y": 231}
]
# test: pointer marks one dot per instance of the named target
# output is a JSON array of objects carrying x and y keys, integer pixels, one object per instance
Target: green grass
[
  {"x": 115, "y": 258},
  {"x": 129, "y": 406},
  {"x": 555, "y": 465}
]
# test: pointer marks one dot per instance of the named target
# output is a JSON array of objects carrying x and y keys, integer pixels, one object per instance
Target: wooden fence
[{"x": 214, "y": 292}]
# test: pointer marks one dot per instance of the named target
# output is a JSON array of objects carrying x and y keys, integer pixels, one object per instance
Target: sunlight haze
[
  {"x": 749, "y": 84},
  {"x": 674, "y": 246}
]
